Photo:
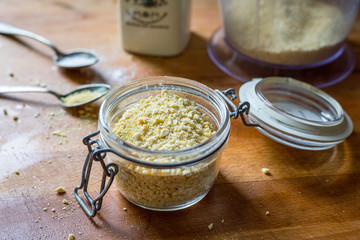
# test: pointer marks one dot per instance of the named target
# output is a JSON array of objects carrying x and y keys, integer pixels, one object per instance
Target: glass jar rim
[
  {"x": 207, "y": 147},
  {"x": 287, "y": 128},
  {"x": 291, "y": 85}
]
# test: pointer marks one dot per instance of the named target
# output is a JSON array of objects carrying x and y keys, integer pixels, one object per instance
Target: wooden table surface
[{"x": 309, "y": 194}]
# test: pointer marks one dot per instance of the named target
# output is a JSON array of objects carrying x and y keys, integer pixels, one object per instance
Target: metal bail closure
[
  {"x": 242, "y": 110},
  {"x": 97, "y": 154}
]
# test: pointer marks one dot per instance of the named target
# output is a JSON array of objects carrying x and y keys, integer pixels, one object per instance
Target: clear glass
[
  {"x": 288, "y": 32},
  {"x": 171, "y": 180},
  {"x": 295, "y": 113},
  {"x": 302, "y": 102}
]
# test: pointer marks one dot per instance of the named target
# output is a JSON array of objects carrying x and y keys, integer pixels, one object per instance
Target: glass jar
[
  {"x": 172, "y": 179},
  {"x": 286, "y": 110},
  {"x": 288, "y": 32}
]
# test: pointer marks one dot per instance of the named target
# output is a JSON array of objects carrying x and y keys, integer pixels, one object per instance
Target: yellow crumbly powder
[
  {"x": 80, "y": 97},
  {"x": 60, "y": 190},
  {"x": 164, "y": 122}
]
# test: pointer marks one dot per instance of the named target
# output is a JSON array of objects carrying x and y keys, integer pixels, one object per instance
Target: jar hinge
[
  {"x": 97, "y": 153},
  {"x": 242, "y": 110}
]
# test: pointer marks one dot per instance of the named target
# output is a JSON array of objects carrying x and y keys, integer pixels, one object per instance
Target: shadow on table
[
  {"x": 81, "y": 76},
  {"x": 325, "y": 176},
  {"x": 225, "y": 206},
  {"x": 326, "y": 173},
  {"x": 84, "y": 75},
  {"x": 32, "y": 45}
]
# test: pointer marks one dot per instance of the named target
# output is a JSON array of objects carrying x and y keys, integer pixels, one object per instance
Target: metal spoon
[
  {"x": 70, "y": 60},
  {"x": 80, "y": 96}
]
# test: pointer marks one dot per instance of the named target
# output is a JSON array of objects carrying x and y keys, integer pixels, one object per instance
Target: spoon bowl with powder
[
  {"x": 71, "y": 60},
  {"x": 80, "y": 96}
]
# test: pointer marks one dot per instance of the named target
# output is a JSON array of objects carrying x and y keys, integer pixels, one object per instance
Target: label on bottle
[{"x": 147, "y": 13}]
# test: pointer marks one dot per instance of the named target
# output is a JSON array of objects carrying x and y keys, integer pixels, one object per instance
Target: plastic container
[
  {"x": 288, "y": 32},
  {"x": 155, "y": 28},
  {"x": 290, "y": 112},
  {"x": 302, "y": 39}
]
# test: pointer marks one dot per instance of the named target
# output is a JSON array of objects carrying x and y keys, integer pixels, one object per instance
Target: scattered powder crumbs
[
  {"x": 80, "y": 97},
  {"x": 59, "y": 133},
  {"x": 37, "y": 115},
  {"x": 51, "y": 115},
  {"x": 88, "y": 113},
  {"x": 267, "y": 213},
  {"x": 71, "y": 236},
  {"x": 211, "y": 226},
  {"x": 266, "y": 171},
  {"x": 65, "y": 201},
  {"x": 60, "y": 190},
  {"x": 39, "y": 83},
  {"x": 5, "y": 111}
]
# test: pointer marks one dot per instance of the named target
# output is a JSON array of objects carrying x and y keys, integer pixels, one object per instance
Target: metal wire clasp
[
  {"x": 98, "y": 154},
  {"x": 242, "y": 110}
]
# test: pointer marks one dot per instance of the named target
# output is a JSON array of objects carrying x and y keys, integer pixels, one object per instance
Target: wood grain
[{"x": 309, "y": 195}]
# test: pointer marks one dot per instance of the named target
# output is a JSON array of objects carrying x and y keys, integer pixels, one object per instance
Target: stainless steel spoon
[
  {"x": 80, "y": 96},
  {"x": 75, "y": 59}
]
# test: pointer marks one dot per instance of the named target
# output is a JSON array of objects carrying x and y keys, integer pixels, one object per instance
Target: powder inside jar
[{"x": 164, "y": 122}]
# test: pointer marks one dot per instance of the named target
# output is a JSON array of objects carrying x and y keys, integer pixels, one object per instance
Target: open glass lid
[{"x": 295, "y": 113}]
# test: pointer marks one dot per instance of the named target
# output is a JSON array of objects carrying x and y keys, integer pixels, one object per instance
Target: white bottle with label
[{"x": 155, "y": 27}]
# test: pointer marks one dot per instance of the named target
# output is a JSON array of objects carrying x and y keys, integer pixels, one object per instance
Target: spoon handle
[
  {"x": 20, "y": 89},
  {"x": 12, "y": 30}
]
